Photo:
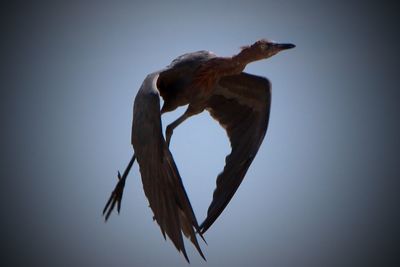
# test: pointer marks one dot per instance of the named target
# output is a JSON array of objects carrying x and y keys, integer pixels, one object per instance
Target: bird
[{"x": 240, "y": 102}]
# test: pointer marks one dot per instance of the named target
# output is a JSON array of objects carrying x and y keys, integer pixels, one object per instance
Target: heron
[{"x": 240, "y": 102}]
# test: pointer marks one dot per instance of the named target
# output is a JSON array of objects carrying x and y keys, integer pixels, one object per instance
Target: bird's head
[{"x": 265, "y": 48}]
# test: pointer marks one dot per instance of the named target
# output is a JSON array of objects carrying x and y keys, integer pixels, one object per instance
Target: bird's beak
[{"x": 280, "y": 47}]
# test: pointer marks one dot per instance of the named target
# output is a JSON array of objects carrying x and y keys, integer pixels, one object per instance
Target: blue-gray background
[{"x": 322, "y": 190}]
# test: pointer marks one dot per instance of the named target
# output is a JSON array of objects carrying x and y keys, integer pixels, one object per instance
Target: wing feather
[
  {"x": 162, "y": 183},
  {"x": 241, "y": 104}
]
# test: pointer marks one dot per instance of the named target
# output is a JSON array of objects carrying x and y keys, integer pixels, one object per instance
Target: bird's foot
[{"x": 115, "y": 198}]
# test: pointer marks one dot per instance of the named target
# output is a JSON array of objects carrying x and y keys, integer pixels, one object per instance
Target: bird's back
[
  {"x": 191, "y": 59},
  {"x": 173, "y": 82}
]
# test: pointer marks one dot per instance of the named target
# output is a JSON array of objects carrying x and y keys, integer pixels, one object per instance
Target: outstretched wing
[
  {"x": 162, "y": 183},
  {"x": 241, "y": 104}
]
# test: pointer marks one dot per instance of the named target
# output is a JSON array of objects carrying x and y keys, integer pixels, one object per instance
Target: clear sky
[{"x": 322, "y": 190}]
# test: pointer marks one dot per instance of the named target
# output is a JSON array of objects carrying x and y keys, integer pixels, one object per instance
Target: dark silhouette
[{"x": 240, "y": 102}]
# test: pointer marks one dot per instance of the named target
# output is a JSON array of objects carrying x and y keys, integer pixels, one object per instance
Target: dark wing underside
[
  {"x": 162, "y": 183},
  {"x": 241, "y": 104}
]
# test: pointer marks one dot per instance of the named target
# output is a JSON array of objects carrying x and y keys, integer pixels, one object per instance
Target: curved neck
[{"x": 246, "y": 56}]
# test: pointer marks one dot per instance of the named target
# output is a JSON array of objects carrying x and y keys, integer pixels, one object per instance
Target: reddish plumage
[{"x": 240, "y": 102}]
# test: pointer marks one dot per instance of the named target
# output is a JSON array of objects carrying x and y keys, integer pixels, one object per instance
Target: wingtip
[
  {"x": 202, "y": 237},
  {"x": 203, "y": 228},
  {"x": 202, "y": 255},
  {"x": 198, "y": 231},
  {"x": 185, "y": 254},
  {"x": 196, "y": 244}
]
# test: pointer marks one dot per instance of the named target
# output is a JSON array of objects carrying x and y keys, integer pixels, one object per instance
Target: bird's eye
[{"x": 264, "y": 46}]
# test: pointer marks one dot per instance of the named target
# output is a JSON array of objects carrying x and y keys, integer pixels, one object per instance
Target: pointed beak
[{"x": 280, "y": 47}]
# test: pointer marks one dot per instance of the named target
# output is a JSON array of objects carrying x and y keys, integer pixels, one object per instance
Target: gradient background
[{"x": 322, "y": 190}]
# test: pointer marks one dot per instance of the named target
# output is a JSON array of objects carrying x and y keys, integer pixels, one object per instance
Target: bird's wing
[
  {"x": 241, "y": 105},
  {"x": 162, "y": 183}
]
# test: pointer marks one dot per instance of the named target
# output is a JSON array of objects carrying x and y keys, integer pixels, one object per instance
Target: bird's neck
[
  {"x": 225, "y": 66},
  {"x": 246, "y": 56}
]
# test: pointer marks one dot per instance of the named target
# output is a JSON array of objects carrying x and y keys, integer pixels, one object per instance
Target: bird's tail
[{"x": 116, "y": 195}]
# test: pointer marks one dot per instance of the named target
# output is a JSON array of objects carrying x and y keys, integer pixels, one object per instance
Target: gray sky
[{"x": 321, "y": 191}]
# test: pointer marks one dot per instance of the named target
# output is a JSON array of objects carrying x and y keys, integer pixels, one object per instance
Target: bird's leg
[
  {"x": 170, "y": 128},
  {"x": 190, "y": 111},
  {"x": 116, "y": 195}
]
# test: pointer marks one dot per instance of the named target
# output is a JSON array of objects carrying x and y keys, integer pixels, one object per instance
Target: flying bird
[{"x": 239, "y": 101}]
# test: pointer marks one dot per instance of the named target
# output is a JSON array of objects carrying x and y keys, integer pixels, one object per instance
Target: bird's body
[
  {"x": 191, "y": 78},
  {"x": 175, "y": 83},
  {"x": 240, "y": 102}
]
